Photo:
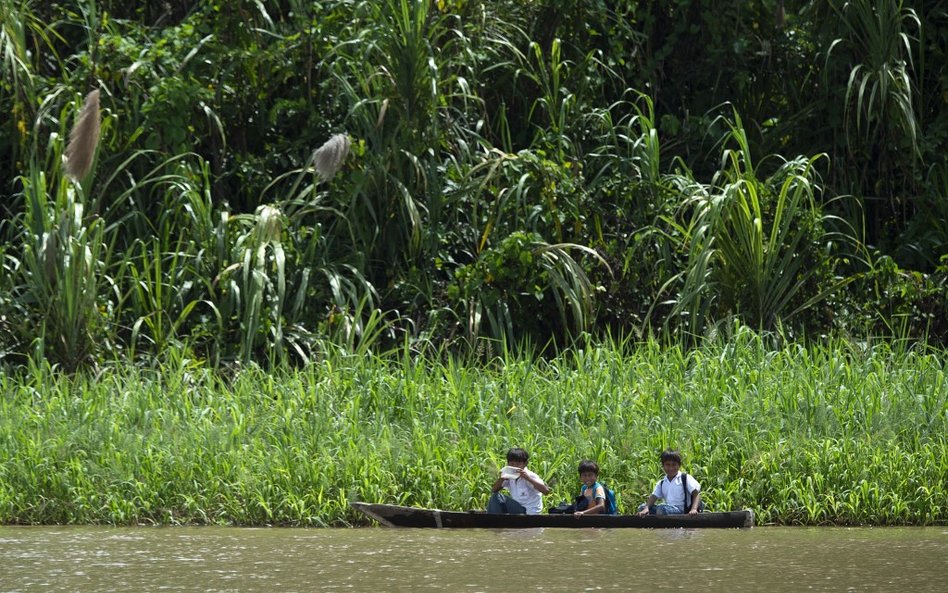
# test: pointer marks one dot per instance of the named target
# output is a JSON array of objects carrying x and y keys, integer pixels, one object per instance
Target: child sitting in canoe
[
  {"x": 681, "y": 492},
  {"x": 593, "y": 497},
  {"x": 525, "y": 487}
]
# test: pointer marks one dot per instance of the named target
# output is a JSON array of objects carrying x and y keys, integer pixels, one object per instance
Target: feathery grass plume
[
  {"x": 83, "y": 139},
  {"x": 328, "y": 158},
  {"x": 269, "y": 224}
]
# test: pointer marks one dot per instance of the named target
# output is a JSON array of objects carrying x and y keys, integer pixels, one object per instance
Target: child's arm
[
  {"x": 599, "y": 503},
  {"x": 652, "y": 499},
  {"x": 695, "y": 500},
  {"x": 541, "y": 487},
  {"x": 599, "y": 507},
  {"x": 498, "y": 484}
]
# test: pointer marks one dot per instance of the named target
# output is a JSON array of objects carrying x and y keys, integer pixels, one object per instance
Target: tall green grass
[{"x": 840, "y": 433}]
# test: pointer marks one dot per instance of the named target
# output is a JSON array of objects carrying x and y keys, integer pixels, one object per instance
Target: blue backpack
[{"x": 611, "y": 506}]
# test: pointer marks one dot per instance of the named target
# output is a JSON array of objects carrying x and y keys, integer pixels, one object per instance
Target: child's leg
[
  {"x": 515, "y": 508},
  {"x": 496, "y": 503},
  {"x": 500, "y": 504}
]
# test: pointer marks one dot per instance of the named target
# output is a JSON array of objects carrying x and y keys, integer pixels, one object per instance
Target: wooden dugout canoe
[{"x": 392, "y": 515}]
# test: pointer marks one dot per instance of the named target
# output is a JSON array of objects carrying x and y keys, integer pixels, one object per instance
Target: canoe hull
[{"x": 392, "y": 515}]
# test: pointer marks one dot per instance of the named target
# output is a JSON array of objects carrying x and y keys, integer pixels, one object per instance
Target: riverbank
[{"x": 835, "y": 434}]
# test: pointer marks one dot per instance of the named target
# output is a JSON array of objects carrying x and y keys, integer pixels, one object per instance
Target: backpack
[
  {"x": 611, "y": 506},
  {"x": 564, "y": 508},
  {"x": 684, "y": 486}
]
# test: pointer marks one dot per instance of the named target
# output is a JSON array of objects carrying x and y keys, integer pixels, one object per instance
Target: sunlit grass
[{"x": 833, "y": 434}]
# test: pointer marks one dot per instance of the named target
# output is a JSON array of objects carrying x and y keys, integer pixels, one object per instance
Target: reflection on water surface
[{"x": 212, "y": 559}]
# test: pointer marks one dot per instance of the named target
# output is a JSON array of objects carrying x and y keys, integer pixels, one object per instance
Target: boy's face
[
  {"x": 520, "y": 464},
  {"x": 588, "y": 478},
  {"x": 671, "y": 468}
]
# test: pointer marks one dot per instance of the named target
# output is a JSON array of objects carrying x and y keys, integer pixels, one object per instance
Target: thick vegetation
[
  {"x": 244, "y": 246},
  {"x": 513, "y": 170},
  {"x": 841, "y": 434}
]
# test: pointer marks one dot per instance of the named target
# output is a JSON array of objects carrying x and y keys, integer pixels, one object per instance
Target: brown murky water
[{"x": 211, "y": 559}]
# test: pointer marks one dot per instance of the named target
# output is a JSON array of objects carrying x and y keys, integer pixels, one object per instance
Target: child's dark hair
[
  {"x": 587, "y": 465},
  {"x": 671, "y": 455},
  {"x": 518, "y": 454}
]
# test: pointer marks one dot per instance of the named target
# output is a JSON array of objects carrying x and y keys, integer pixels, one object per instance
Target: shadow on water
[{"x": 376, "y": 560}]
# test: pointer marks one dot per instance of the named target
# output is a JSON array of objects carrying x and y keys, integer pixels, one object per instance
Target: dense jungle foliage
[{"x": 259, "y": 181}]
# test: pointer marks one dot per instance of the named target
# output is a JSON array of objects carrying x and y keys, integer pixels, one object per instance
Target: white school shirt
[
  {"x": 671, "y": 491},
  {"x": 523, "y": 492}
]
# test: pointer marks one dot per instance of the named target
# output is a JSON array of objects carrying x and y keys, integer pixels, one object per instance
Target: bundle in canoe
[{"x": 392, "y": 515}]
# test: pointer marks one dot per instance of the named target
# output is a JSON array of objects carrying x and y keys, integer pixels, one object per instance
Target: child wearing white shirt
[
  {"x": 526, "y": 490},
  {"x": 680, "y": 497}
]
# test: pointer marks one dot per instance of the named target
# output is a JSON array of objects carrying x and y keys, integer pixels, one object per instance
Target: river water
[{"x": 377, "y": 560}]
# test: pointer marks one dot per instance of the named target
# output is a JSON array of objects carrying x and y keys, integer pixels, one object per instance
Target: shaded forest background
[{"x": 528, "y": 172}]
